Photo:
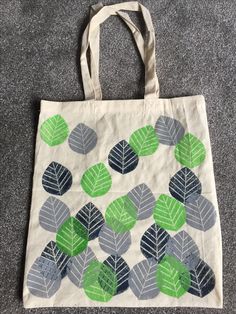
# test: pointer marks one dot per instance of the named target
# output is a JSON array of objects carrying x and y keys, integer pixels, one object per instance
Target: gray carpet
[{"x": 39, "y": 59}]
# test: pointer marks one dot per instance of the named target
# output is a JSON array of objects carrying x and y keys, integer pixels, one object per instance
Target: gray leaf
[
  {"x": 114, "y": 243},
  {"x": 142, "y": 279},
  {"x": 200, "y": 212},
  {"x": 181, "y": 246},
  {"x": 78, "y": 265},
  {"x": 82, "y": 139},
  {"x": 143, "y": 199},
  {"x": 53, "y": 213},
  {"x": 39, "y": 285},
  {"x": 169, "y": 130}
]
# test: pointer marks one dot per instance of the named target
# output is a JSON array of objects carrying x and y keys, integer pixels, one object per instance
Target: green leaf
[
  {"x": 72, "y": 237},
  {"x": 99, "y": 283},
  {"x": 190, "y": 151},
  {"x": 121, "y": 214},
  {"x": 54, "y": 130},
  {"x": 144, "y": 141},
  {"x": 96, "y": 180},
  {"x": 173, "y": 278},
  {"x": 169, "y": 213}
]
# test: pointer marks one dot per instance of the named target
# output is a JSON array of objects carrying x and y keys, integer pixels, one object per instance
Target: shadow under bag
[{"x": 124, "y": 208}]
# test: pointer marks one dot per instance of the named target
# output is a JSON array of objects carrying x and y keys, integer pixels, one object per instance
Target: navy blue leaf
[
  {"x": 121, "y": 269},
  {"x": 153, "y": 242},
  {"x": 122, "y": 158},
  {"x": 53, "y": 255},
  {"x": 57, "y": 179},
  {"x": 183, "y": 184},
  {"x": 91, "y": 218},
  {"x": 202, "y": 279}
]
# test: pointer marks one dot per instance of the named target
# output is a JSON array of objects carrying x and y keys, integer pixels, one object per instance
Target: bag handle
[{"x": 90, "y": 41}]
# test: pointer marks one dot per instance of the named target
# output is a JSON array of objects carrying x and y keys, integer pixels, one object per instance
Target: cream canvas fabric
[{"x": 124, "y": 209}]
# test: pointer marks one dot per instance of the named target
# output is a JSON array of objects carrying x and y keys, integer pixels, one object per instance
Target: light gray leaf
[
  {"x": 114, "y": 243},
  {"x": 53, "y": 213},
  {"x": 181, "y": 246},
  {"x": 52, "y": 253},
  {"x": 202, "y": 280},
  {"x": 142, "y": 279},
  {"x": 143, "y": 199},
  {"x": 82, "y": 139},
  {"x": 78, "y": 265},
  {"x": 169, "y": 130},
  {"x": 39, "y": 285},
  {"x": 200, "y": 212}
]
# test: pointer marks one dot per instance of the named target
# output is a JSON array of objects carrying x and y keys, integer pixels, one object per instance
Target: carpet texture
[{"x": 39, "y": 60}]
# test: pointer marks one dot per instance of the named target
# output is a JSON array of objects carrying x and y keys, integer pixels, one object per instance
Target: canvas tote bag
[{"x": 124, "y": 209}]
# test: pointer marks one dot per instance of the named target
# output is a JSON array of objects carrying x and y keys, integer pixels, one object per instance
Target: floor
[{"x": 39, "y": 58}]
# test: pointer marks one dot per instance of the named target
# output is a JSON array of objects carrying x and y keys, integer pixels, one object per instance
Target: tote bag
[{"x": 124, "y": 209}]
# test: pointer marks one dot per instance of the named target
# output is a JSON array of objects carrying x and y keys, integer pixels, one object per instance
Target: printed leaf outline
[
  {"x": 190, "y": 151},
  {"x": 54, "y": 130},
  {"x": 56, "y": 179},
  {"x": 143, "y": 199},
  {"x": 72, "y": 237},
  {"x": 39, "y": 285},
  {"x": 169, "y": 213},
  {"x": 202, "y": 280},
  {"x": 122, "y": 158},
  {"x": 52, "y": 256},
  {"x": 183, "y": 247},
  {"x": 53, "y": 214},
  {"x": 183, "y": 184},
  {"x": 82, "y": 139},
  {"x": 121, "y": 270},
  {"x": 169, "y": 130},
  {"x": 144, "y": 141},
  {"x": 142, "y": 279},
  {"x": 200, "y": 212},
  {"x": 121, "y": 215},
  {"x": 153, "y": 242},
  {"x": 96, "y": 180},
  {"x": 173, "y": 278},
  {"x": 91, "y": 218},
  {"x": 78, "y": 265},
  {"x": 99, "y": 282},
  {"x": 112, "y": 242}
]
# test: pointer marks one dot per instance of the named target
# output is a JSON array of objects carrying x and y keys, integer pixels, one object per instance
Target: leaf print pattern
[
  {"x": 183, "y": 184},
  {"x": 144, "y": 141},
  {"x": 122, "y": 158},
  {"x": 201, "y": 213},
  {"x": 169, "y": 130},
  {"x": 54, "y": 130},
  {"x": 153, "y": 242},
  {"x": 190, "y": 151},
  {"x": 91, "y": 218},
  {"x": 57, "y": 179},
  {"x": 96, "y": 181},
  {"x": 142, "y": 280},
  {"x": 53, "y": 214},
  {"x": 82, "y": 139}
]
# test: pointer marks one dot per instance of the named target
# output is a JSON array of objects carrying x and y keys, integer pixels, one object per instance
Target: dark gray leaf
[
  {"x": 142, "y": 279},
  {"x": 114, "y": 243},
  {"x": 53, "y": 213},
  {"x": 122, "y": 158},
  {"x": 183, "y": 184},
  {"x": 169, "y": 130},
  {"x": 82, "y": 139},
  {"x": 143, "y": 199},
  {"x": 57, "y": 179},
  {"x": 200, "y": 212}
]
